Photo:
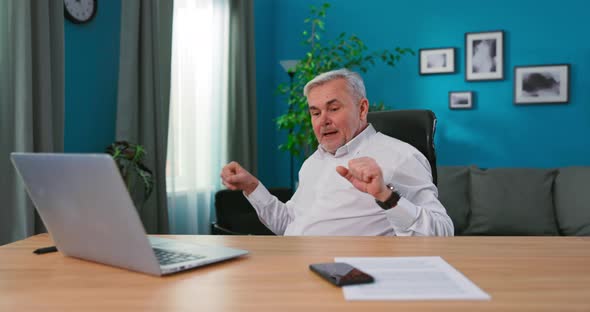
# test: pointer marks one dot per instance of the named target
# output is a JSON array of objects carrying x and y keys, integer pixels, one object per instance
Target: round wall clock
[{"x": 80, "y": 11}]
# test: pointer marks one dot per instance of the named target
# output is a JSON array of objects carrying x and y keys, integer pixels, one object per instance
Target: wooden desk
[{"x": 520, "y": 273}]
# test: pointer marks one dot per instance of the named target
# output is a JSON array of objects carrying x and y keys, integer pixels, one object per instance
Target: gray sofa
[{"x": 516, "y": 201}]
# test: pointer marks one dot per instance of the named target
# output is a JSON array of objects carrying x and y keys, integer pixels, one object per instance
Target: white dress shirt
[{"x": 325, "y": 203}]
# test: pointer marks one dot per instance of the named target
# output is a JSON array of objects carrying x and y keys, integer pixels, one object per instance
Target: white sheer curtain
[{"x": 197, "y": 146}]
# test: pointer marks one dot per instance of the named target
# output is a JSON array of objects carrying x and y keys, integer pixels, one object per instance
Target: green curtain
[
  {"x": 31, "y": 101},
  {"x": 242, "y": 86},
  {"x": 144, "y": 93}
]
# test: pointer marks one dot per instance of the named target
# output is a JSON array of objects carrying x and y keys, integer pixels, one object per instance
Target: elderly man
[{"x": 358, "y": 181}]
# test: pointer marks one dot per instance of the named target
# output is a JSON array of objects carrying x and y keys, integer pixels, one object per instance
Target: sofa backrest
[
  {"x": 453, "y": 193},
  {"x": 516, "y": 201},
  {"x": 572, "y": 200}
]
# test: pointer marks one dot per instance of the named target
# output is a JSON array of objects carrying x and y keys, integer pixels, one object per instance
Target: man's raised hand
[{"x": 234, "y": 177}]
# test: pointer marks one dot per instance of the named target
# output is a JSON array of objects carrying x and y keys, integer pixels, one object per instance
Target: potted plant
[
  {"x": 347, "y": 51},
  {"x": 138, "y": 178}
]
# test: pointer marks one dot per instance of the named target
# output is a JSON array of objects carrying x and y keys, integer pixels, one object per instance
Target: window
[{"x": 197, "y": 145}]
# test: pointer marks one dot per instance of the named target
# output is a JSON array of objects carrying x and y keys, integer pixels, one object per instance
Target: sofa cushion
[
  {"x": 512, "y": 201},
  {"x": 572, "y": 200},
  {"x": 453, "y": 193}
]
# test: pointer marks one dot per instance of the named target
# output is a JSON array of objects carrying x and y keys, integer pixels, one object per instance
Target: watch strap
[{"x": 391, "y": 201}]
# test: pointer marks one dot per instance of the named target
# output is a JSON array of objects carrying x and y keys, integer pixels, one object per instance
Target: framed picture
[
  {"x": 437, "y": 61},
  {"x": 460, "y": 99},
  {"x": 541, "y": 84},
  {"x": 484, "y": 56}
]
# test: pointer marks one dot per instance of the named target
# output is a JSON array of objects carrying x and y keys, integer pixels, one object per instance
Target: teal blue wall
[
  {"x": 273, "y": 165},
  {"x": 496, "y": 133},
  {"x": 91, "y": 74}
]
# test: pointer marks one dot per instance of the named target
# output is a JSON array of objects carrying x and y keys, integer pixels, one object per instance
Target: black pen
[{"x": 45, "y": 250}]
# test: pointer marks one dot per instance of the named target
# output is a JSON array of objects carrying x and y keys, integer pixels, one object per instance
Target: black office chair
[
  {"x": 235, "y": 215},
  {"x": 415, "y": 127}
]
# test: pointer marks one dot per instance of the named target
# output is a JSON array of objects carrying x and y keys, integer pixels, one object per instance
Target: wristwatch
[{"x": 391, "y": 201}]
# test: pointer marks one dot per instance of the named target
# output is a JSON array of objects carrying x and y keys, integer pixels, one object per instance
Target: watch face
[{"x": 80, "y": 11}]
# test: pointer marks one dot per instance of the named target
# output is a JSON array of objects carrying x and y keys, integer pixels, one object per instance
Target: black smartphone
[{"x": 341, "y": 274}]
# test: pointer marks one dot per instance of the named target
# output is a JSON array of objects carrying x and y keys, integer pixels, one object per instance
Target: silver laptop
[{"x": 86, "y": 207}]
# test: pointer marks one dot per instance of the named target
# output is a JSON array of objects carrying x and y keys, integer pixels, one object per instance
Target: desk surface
[{"x": 520, "y": 273}]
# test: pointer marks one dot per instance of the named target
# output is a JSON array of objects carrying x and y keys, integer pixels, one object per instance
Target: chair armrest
[{"x": 223, "y": 231}]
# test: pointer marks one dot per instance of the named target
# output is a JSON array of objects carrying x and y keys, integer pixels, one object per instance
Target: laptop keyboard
[{"x": 166, "y": 257}]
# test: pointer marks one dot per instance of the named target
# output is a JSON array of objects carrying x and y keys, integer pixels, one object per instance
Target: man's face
[{"x": 335, "y": 114}]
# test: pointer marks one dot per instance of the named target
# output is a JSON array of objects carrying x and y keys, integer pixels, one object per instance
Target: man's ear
[{"x": 364, "y": 109}]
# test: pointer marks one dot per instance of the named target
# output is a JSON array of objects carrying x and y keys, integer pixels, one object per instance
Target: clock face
[{"x": 80, "y": 11}]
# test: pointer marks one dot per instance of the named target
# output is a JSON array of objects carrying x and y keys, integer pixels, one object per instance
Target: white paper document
[{"x": 410, "y": 278}]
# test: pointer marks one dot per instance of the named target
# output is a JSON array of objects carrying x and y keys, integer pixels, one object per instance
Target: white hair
[{"x": 355, "y": 83}]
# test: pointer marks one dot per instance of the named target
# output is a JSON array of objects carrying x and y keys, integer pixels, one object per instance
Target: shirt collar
[{"x": 352, "y": 146}]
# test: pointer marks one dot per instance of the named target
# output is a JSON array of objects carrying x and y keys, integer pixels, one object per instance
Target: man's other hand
[
  {"x": 365, "y": 174},
  {"x": 234, "y": 177}
]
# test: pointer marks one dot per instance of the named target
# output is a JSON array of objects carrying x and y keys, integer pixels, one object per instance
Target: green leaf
[{"x": 321, "y": 24}]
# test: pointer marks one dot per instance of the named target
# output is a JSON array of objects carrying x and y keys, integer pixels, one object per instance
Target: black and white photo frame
[
  {"x": 437, "y": 61},
  {"x": 460, "y": 99},
  {"x": 484, "y": 56},
  {"x": 540, "y": 84}
]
